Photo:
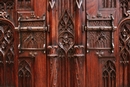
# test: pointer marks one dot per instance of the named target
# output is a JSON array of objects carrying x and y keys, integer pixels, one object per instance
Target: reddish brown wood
[{"x": 65, "y": 43}]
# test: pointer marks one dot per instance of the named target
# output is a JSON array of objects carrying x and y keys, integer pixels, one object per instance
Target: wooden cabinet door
[{"x": 64, "y": 43}]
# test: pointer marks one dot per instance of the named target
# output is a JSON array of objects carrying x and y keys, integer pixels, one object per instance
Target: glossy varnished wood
[{"x": 65, "y": 43}]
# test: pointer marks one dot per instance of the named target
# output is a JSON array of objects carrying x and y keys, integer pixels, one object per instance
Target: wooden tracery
[
  {"x": 100, "y": 31},
  {"x": 6, "y": 52}
]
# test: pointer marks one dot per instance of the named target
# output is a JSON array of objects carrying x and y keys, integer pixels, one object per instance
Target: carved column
[{"x": 52, "y": 22}]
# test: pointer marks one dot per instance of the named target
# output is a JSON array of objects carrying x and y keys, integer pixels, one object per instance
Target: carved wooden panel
[
  {"x": 65, "y": 63},
  {"x": 66, "y": 32},
  {"x": 109, "y": 74},
  {"x": 124, "y": 37},
  {"x": 26, "y": 72},
  {"x": 108, "y": 3},
  {"x": 24, "y": 4},
  {"x": 66, "y": 60},
  {"x": 124, "y": 49},
  {"x": 100, "y": 34},
  {"x": 6, "y": 52},
  {"x": 32, "y": 33},
  {"x": 8, "y": 7}
]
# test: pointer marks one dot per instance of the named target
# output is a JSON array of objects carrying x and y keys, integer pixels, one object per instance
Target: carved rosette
[
  {"x": 66, "y": 32},
  {"x": 124, "y": 37}
]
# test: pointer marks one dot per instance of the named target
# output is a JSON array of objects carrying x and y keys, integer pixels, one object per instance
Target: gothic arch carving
[
  {"x": 6, "y": 51},
  {"x": 66, "y": 32},
  {"x": 124, "y": 38},
  {"x": 109, "y": 74},
  {"x": 25, "y": 77},
  {"x": 124, "y": 48},
  {"x": 109, "y": 3}
]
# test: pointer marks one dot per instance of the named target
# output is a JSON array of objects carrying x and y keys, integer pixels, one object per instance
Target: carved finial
[
  {"x": 44, "y": 17},
  {"x": 99, "y": 15},
  {"x": 32, "y": 15}
]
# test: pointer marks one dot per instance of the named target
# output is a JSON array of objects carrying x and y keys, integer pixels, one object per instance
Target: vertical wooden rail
[
  {"x": 78, "y": 25},
  {"x": 52, "y": 61},
  {"x": 52, "y": 19},
  {"x": 126, "y": 76},
  {"x": 79, "y": 48}
]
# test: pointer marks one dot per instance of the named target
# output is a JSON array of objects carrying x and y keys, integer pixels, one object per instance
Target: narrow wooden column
[
  {"x": 78, "y": 24},
  {"x": 52, "y": 22}
]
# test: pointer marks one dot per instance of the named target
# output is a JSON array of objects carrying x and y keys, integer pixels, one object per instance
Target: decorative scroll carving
[
  {"x": 66, "y": 32},
  {"x": 124, "y": 36},
  {"x": 100, "y": 34},
  {"x": 6, "y": 52},
  {"x": 25, "y": 74},
  {"x": 109, "y": 3},
  {"x": 32, "y": 33},
  {"x": 24, "y": 4},
  {"x": 109, "y": 74}
]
